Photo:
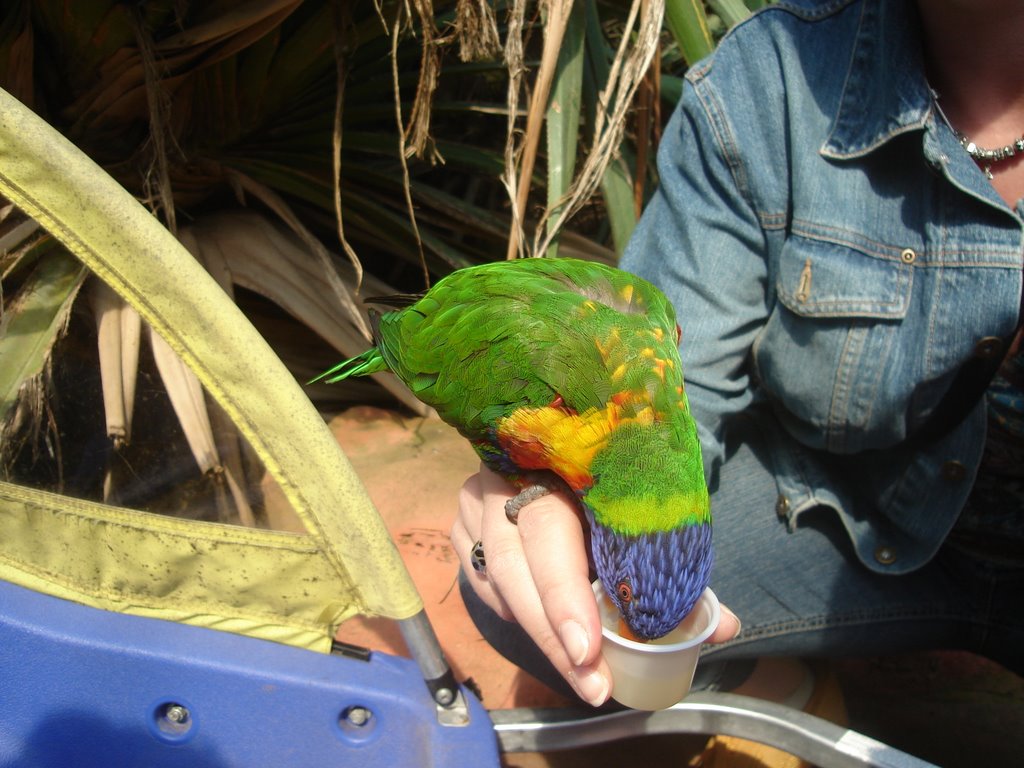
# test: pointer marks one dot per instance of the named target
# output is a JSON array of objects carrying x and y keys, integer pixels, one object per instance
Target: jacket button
[
  {"x": 988, "y": 347},
  {"x": 908, "y": 256},
  {"x": 954, "y": 471},
  {"x": 782, "y": 506},
  {"x": 885, "y": 555}
]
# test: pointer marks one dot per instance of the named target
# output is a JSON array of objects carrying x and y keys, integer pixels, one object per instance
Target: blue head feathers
[{"x": 654, "y": 579}]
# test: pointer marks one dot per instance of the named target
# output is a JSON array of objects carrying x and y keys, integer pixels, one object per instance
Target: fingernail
[
  {"x": 591, "y": 685},
  {"x": 575, "y": 641},
  {"x": 739, "y": 624}
]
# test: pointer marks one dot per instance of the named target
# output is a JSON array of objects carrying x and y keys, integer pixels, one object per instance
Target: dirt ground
[
  {"x": 953, "y": 709},
  {"x": 413, "y": 469}
]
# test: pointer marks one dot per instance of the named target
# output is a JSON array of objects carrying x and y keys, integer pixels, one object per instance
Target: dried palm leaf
[
  {"x": 119, "y": 333},
  {"x": 189, "y": 403},
  {"x": 554, "y": 31},
  {"x": 246, "y": 249},
  {"x": 627, "y": 72}
]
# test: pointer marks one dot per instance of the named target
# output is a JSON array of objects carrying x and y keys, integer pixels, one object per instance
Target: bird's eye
[{"x": 624, "y": 590}]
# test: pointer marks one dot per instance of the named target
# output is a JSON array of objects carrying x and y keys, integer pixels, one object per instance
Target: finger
[
  {"x": 465, "y": 532},
  {"x": 553, "y": 541},
  {"x": 728, "y": 627},
  {"x": 511, "y": 576},
  {"x": 463, "y": 544},
  {"x": 507, "y": 571}
]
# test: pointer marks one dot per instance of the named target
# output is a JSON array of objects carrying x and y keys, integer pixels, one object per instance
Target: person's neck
[{"x": 975, "y": 63}]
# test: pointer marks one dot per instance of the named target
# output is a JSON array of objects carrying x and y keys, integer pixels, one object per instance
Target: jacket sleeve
[{"x": 702, "y": 241}]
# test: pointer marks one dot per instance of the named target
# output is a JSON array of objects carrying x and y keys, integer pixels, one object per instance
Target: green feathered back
[{"x": 577, "y": 352}]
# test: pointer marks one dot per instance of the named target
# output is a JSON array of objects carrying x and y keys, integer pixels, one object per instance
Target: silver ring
[
  {"x": 512, "y": 509},
  {"x": 476, "y": 557}
]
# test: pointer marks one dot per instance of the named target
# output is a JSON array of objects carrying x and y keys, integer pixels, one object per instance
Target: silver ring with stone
[{"x": 477, "y": 559}]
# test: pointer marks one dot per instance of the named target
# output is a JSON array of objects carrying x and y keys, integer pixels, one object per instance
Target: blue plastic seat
[{"x": 86, "y": 687}]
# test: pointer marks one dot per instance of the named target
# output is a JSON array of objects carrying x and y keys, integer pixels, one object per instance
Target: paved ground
[{"x": 953, "y": 709}]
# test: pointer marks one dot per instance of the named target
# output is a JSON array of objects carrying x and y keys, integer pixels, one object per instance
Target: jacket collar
[{"x": 886, "y": 92}]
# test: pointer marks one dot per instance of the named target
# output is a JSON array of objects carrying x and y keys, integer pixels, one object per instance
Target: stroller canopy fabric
[{"x": 290, "y": 588}]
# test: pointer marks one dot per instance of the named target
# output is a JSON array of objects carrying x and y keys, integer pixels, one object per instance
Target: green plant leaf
[
  {"x": 731, "y": 12},
  {"x": 563, "y": 115},
  {"x": 617, "y": 191},
  {"x": 33, "y": 321},
  {"x": 688, "y": 23},
  {"x": 671, "y": 89}
]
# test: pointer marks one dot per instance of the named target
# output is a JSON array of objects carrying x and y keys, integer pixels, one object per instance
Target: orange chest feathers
[{"x": 555, "y": 438}]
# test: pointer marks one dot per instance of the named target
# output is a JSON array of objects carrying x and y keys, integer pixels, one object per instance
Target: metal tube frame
[
  {"x": 816, "y": 740},
  {"x": 423, "y": 645}
]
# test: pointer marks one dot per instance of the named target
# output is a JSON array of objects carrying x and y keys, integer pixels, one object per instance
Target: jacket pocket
[
  {"x": 833, "y": 355},
  {"x": 824, "y": 279}
]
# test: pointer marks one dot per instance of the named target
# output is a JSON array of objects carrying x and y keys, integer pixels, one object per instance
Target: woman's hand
[{"x": 538, "y": 575}]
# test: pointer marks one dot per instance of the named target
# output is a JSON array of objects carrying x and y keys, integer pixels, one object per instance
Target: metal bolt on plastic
[
  {"x": 444, "y": 696},
  {"x": 357, "y": 715},
  {"x": 177, "y": 714}
]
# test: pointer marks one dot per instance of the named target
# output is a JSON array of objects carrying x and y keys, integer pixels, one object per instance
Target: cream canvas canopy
[{"x": 290, "y": 588}]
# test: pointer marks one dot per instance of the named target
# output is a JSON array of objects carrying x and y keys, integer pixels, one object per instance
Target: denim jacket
[{"x": 834, "y": 257}]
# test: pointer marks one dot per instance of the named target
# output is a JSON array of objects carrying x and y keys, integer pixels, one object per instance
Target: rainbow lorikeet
[{"x": 570, "y": 367}]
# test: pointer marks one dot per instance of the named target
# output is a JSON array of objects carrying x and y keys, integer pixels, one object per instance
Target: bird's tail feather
[
  {"x": 368, "y": 362},
  {"x": 395, "y": 300}
]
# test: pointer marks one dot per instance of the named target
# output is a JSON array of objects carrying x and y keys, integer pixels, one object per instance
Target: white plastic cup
[{"x": 656, "y": 674}]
